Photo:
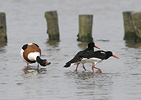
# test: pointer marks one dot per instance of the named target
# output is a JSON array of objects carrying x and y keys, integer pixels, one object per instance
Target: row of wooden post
[
  {"x": 85, "y": 26},
  {"x": 132, "y": 26}
]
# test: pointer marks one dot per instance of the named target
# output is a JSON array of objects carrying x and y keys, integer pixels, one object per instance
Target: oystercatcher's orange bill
[
  {"x": 97, "y": 47},
  {"x": 115, "y": 56}
]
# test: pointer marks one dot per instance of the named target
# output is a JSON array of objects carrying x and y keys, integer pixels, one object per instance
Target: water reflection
[
  {"x": 83, "y": 45},
  {"x": 53, "y": 42},
  {"x": 34, "y": 70},
  {"x": 2, "y": 44},
  {"x": 80, "y": 75},
  {"x": 85, "y": 75},
  {"x": 98, "y": 86},
  {"x": 133, "y": 44},
  {"x": 103, "y": 40},
  {"x": 92, "y": 85}
]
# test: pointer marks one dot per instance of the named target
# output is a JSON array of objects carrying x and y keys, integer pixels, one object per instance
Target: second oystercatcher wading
[
  {"x": 31, "y": 53},
  {"x": 82, "y": 54},
  {"x": 97, "y": 57}
]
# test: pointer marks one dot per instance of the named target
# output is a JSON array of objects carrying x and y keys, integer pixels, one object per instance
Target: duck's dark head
[
  {"x": 109, "y": 54},
  {"x": 42, "y": 62},
  {"x": 91, "y": 45}
]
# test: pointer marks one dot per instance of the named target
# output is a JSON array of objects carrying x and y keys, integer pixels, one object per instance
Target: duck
[
  {"x": 31, "y": 53},
  {"x": 77, "y": 59}
]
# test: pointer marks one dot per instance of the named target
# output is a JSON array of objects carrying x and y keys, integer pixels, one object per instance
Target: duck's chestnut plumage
[{"x": 31, "y": 53}]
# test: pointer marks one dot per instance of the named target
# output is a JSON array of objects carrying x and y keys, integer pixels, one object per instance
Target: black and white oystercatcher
[
  {"x": 80, "y": 55},
  {"x": 97, "y": 57},
  {"x": 31, "y": 53}
]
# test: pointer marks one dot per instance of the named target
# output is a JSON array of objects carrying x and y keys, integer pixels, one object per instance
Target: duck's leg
[
  {"x": 27, "y": 64},
  {"x": 37, "y": 65},
  {"x": 76, "y": 67}
]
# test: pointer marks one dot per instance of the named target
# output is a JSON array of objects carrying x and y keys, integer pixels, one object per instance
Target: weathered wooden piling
[
  {"x": 132, "y": 26},
  {"x": 3, "y": 34},
  {"x": 52, "y": 25},
  {"x": 85, "y": 28},
  {"x": 136, "y": 20},
  {"x": 129, "y": 32}
]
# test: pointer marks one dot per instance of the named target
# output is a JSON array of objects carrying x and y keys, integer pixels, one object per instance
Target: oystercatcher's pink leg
[
  {"x": 76, "y": 67},
  {"x": 93, "y": 67},
  {"x": 98, "y": 69},
  {"x": 84, "y": 68}
]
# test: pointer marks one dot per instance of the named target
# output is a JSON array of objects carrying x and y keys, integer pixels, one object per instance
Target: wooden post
[
  {"x": 132, "y": 26},
  {"x": 85, "y": 28},
  {"x": 136, "y": 20},
  {"x": 129, "y": 32},
  {"x": 3, "y": 35},
  {"x": 52, "y": 25}
]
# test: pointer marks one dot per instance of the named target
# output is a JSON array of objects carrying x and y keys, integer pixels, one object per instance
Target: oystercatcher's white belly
[{"x": 91, "y": 60}]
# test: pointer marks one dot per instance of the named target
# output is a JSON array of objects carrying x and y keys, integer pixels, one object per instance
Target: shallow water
[{"x": 120, "y": 79}]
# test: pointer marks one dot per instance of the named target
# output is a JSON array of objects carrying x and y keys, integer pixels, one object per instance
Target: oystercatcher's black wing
[
  {"x": 77, "y": 58},
  {"x": 99, "y": 54}
]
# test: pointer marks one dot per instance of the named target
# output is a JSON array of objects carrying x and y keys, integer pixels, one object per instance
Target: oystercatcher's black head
[
  {"x": 91, "y": 45},
  {"x": 42, "y": 62},
  {"x": 109, "y": 54}
]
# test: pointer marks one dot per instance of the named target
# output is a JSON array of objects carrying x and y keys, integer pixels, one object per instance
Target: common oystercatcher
[
  {"x": 31, "y": 53},
  {"x": 97, "y": 57},
  {"x": 80, "y": 55}
]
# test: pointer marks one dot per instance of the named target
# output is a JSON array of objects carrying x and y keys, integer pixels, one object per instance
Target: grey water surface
[{"x": 119, "y": 80}]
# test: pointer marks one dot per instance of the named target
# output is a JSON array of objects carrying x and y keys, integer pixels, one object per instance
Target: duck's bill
[{"x": 48, "y": 63}]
